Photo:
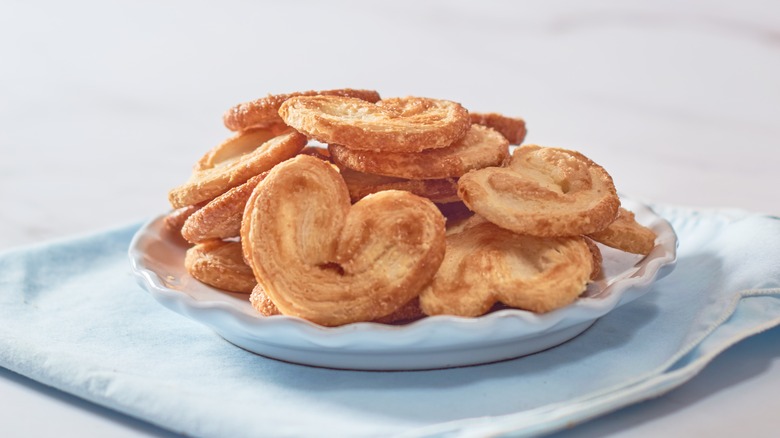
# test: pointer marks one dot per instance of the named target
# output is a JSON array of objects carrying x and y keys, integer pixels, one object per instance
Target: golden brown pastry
[
  {"x": 598, "y": 259},
  {"x": 511, "y": 128},
  {"x": 175, "y": 220},
  {"x": 408, "y": 124},
  {"x": 221, "y": 217},
  {"x": 543, "y": 192},
  {"x": 264, "y": 112},
  {"x": 485, "y": 264},
  {"x": 517, "y": 232},
  {"x": 626, "y": 234},
  {"x": 407, "y": 313},
  {"x": 480, "y": 147},
  {"x": 220, "y": 264},
  {"x": 260, "y": 301},
  {"x": 362, "y": 184},
  {"x": 233, "y": 162},
  {"x": 320, "y": 258}
]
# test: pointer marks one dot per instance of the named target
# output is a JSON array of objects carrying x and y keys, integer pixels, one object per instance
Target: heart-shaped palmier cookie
[
  {"x": 480, "y": 147},
  {"x": 320, "y": 258},
  {"x": 543, "y": 192},
  {"x": 235, "y": 161},
  {"x": 485, "y": 264},
  {"x": 408, "y": 124},
  {"x": 220, "y": 264},
  {"x": 264, "y": 112}
]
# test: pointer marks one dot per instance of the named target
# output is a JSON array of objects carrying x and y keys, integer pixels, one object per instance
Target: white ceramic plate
[{"x": 157, "y": 258}]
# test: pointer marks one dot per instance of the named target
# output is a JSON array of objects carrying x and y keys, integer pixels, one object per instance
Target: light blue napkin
[{"x": 72, "y": 316}]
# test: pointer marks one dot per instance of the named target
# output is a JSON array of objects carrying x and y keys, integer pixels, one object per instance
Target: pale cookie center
[
  {"x": 538, "y": 187},
  {"x": 237, "y": 148}
]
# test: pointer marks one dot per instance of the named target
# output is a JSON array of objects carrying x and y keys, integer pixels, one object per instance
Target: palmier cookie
[
  {"x": 220, "y": 264},
  {"x": 598, "y": 259},
  {"x": 260, "y": 302},
  {"x": 408, "y": 312},
  {"x": 322, "y": 259},
  {"x": 221, "y": 217},
  {"x": 543, "y": 192},
  {"x": 480, "y": 147},
  {"x": 233, "y": 162},
  {"x": 626, "y": 234},
  {"x": 485, "y": 264},
  {"x": 510, "y": 127},
  {"x": 174, "y": 221},
  {"x": 362, "y": 184},
  {"x": 264, "y": 112},
  {"x": 408, "y": 124}
]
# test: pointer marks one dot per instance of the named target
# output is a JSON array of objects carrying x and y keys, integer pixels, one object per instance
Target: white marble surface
[{"x": 105, "y": 105}]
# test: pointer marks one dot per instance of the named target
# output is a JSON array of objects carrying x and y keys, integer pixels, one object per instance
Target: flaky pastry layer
[
  {"x": 362, "y": 184},
  {"x": 408, "y": 312},
  {"x": 221, "y": 217},
  {"x": 480, "y": 147}
]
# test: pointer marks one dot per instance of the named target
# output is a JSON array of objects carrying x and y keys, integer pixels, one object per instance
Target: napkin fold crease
[{"x": 688, "y": 362}]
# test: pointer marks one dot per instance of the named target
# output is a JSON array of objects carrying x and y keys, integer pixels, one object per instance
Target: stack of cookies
[{"x": 414, "y": 208}]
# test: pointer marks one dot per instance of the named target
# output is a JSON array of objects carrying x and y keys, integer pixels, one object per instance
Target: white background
[{"x": 104, "y": 106}]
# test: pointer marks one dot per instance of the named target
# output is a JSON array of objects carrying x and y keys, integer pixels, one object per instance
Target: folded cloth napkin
[{"x": 73, "y": 317}]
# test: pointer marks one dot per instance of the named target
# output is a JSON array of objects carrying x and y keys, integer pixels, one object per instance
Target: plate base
[{"x": 411, "y": 360}]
